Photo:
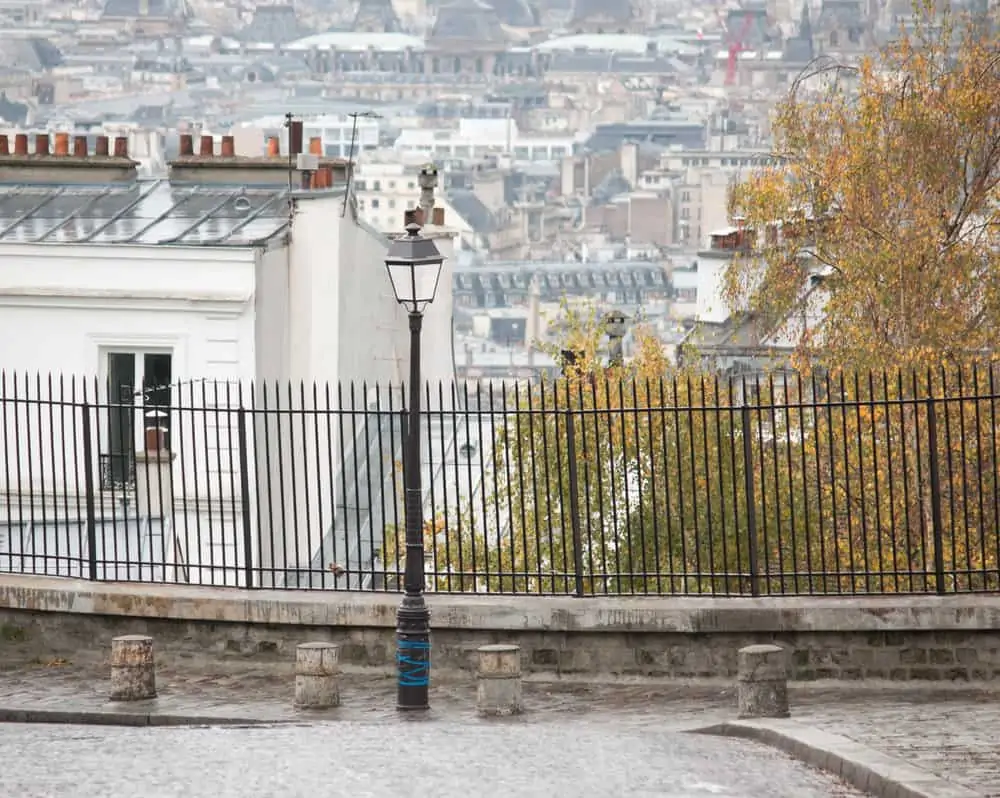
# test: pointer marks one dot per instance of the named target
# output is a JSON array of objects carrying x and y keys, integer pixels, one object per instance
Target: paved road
[
  {"x": 592, "y": 756},
  {"x": 951, "y": 733}
]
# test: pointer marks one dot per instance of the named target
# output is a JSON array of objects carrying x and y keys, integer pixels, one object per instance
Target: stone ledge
[
  {"x": 683, "y": 615},
  {"x": 870, "y": 771}
]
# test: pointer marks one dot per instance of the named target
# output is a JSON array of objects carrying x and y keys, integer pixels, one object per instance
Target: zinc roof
[{"x": 144, "y": 212}]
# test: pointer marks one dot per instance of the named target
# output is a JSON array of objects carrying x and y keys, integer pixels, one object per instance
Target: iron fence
[{"x": 854, "y": 484}]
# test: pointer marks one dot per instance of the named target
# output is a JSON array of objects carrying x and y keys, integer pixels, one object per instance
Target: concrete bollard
[
  {"x": 499, "y": 676},
  {"x": 762, "y": 682},
  {"x": 317, "y": 675},
  {"x": 133, "y": 671}
]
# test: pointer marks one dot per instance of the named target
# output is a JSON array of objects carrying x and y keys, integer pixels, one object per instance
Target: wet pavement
[
  {"x": 591, "y": 756},
  {"x": 950, "y": 733}
]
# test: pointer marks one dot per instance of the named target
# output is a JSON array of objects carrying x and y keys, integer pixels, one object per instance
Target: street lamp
[
  {"x": 414, "y": 266},
  {"x": 614, "y": 323}
]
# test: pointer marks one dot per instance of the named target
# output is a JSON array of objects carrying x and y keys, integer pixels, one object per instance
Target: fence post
[
  {"x": 241, "y": 420},
  {"x": 935, "y": 469},
  {"x": 574, "y": 501},
  {"x": 88, "y": 483},
  {"x": 750, "y": 488}
]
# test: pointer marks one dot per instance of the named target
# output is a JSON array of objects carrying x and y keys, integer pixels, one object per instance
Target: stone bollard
[
  {"x": 499, "y": 677},
  {"x": 133, "y": 671},
  {"x": 317, "y": 675},
  {"x": 762, "y": 682}
]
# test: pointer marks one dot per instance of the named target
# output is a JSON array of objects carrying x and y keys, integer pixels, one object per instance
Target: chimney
[
  {"x": 316, "y": 146},
  {"x": 271, "y": 170},
  {"x": 428, "y": 180},
  {"x": 437, "y": 217},
  {"x": 322, "y": 178},
  {"x": 53, "y": 162},
  {"x": 294, "y": 137},
  {"x": 156, "y": 439}
]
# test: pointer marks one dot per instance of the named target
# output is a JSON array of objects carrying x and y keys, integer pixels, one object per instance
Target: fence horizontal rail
[{"x": 855, "y": 484}]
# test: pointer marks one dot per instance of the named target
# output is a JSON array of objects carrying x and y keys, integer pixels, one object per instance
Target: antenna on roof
[{"x": 355, "y": 115}]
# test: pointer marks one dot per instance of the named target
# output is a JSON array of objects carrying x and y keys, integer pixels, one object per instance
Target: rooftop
[{"x": 144, "y": 212}]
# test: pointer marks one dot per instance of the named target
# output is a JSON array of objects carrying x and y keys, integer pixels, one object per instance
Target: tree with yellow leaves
[
  {"x": 644, "y": 478},
  {"x": 886, "y": 185}
]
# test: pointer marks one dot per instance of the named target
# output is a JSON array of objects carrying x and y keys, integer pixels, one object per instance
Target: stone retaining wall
[{"x": 898, "y": 638}]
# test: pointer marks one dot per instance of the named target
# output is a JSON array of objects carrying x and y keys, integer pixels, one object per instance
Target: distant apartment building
[
  {"x": 385, "y": 186},
  {"x": 477, "y": 138},
  {"x": 702, "y": 198},
  {"x": 699, "y": 182},
  {"x": 335, "y": 131}
]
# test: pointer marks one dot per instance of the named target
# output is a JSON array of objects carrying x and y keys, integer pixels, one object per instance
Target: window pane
[
  {"x": 117, "y": 469},
  {"x": 157, "y": 375}
]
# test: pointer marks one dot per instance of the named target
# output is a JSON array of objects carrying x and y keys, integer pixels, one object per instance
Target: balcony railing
[{"x": 117, "y": 472}]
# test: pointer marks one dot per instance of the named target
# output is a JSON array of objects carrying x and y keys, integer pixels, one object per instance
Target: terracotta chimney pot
[
  {"x": 62, "y": 143},
  {"x": 228, "y": 147},
  {"x": 81, "y": 147},
  {"x": 207, "y": 147},
  {"x": 42, "y": 144},
  {"x": 186, "y": 145},
  {"x": 101, "y": 147},
  {"x": 155, "y": 439}
]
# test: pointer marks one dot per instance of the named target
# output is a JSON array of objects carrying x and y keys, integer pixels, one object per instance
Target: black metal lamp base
[{"x": 413, "y": 653}]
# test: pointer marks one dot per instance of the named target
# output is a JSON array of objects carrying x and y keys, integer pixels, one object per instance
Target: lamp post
[
  {"x": 414, "y": 266},
  {"x": 614, "y": 322}
]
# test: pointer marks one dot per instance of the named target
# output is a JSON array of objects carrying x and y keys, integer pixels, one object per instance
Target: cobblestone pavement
[
  {"x": 265, "y": 694},
  {"x": 566, "y": 758},
  {"x": 951, "y": 733}
]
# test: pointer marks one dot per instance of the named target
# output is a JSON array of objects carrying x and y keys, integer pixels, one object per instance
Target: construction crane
[{"x": 736, "y": 46}]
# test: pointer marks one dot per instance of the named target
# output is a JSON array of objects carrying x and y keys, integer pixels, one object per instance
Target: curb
[
  {"x": 870, "y": 771},
  {"x": 131, "y": 719}
]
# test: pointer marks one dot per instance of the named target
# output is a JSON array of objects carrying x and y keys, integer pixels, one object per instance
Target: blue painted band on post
[{"x": 414, "y": 671}]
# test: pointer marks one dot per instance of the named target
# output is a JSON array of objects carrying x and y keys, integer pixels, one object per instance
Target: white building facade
[
  {"x": 478, "y": 138},
  {"x": 223, "y": 316}
]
